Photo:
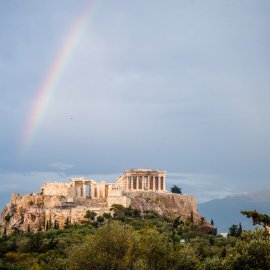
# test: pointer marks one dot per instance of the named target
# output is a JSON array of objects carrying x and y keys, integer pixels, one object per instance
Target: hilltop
[{"x": 59, "y": 203}]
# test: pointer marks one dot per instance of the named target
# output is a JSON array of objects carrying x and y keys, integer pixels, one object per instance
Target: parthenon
[{"x": 142, "y": 180}]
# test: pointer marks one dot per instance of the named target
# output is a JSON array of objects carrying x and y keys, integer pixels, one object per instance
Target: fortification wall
[
  {"x": 26, "y": 200},
  {"x": 53, "y": 201},
  {"x": 57, "y": 189},
  {"x": 124, "y": 200}
]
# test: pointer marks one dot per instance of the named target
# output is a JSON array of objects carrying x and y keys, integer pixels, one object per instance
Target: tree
[
  {"x": 257, "y": 218},
  {"x": 49, "y": 224},
  {"x": 67, "y": 223},
  {"x": 107, "y": 215},
  {"x": 235, "y": 230},
  {"x": 100, "y": 219},
  {"x": 112, "y": 247},
  {"x": 191, "y": 217},
  {"x": 251, "y": 251},
  {"x": 156, "y": 251},
  {"x": 39, "y": 227},
  {"x": 240, "y": 230},
  {"x": 56, "y": 224},
  {"x": 7, "y": 217},
  {"x": 90, "y": 215},
  {"x": 117, "y": 209},
  {"x": 202, "y": 221},
  {"x": 176, "y": 189},
  {"x": 5, "y": 232},
  {"x": 36, "y": 242}
]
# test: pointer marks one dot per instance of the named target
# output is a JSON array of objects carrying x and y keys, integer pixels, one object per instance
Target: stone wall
[
  {"x": 53, "y": 201},
  {"x": 124, "y": 200},
  {"x": 57, "y": 189}
]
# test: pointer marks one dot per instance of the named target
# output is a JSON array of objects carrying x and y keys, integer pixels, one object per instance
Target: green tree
[
  {"x": 112, "y": 247},
  {"x": 257, "y": 218},
  {"x": 107, "y": 215},
  {"x": 187, "y": 259},
  {"x": 117, "y": 209},
  {"x": 176, "y": 189},
  {"x": 155, "y": 251},
  {"x": 7, "y": 217},
  {"x": 252, "y": 251},
  {"x": 56, "y": 224},
  {"x": 192, "y": 217},
  {"x": 235, "y": 230},
  {"x": 39, "y": 227},
  {"x": 100, "y": 219},
  {"x": 67, "y": 223},
  {"x": 90, "y": 215},
  {"x": 36, "y": 241}
]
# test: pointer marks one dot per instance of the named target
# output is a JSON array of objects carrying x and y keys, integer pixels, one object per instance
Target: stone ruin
[{"x": 144, "y": 189}]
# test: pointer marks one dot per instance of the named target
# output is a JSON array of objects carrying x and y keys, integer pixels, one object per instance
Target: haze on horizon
[{"x": 181, "y": 86}]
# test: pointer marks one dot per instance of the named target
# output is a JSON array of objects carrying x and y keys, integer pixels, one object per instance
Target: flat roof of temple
[{"x": 144, "y": 170}]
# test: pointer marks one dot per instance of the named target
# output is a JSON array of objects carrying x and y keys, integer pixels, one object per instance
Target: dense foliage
[
  {"x": 176, "y": 189},
  {"x": 257, "y": 218},
  {"x": 131, "y": 240}
]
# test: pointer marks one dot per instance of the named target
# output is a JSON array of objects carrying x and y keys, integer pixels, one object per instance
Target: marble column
[{"x": 84, "y": 191}]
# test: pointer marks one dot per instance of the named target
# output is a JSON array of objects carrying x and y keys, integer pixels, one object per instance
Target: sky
[{"x": 93, "y": 88}]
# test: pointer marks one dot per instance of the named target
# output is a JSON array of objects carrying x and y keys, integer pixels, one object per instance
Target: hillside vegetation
[{"x": 132, "y": 240}]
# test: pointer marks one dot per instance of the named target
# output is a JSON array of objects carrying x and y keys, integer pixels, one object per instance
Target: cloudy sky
[{"x": 179, "y": 85}]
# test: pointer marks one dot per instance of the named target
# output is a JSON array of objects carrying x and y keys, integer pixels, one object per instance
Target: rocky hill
[
  {"x": 34, "y": 211},
  {"x": 167, "y": 203}
]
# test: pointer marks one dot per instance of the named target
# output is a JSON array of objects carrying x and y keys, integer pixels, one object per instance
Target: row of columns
[
  {"x": 145, "y": 182},
  {"x": 80, "y": 191}
]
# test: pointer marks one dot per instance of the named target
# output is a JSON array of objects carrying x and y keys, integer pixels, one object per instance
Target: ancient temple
[{"x": 142, "y": 180}]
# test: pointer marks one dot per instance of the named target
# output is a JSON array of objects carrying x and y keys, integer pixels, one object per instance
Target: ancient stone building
[
  {"x": 142, "y": 180},
  {"x": 77, "y": 188},
  {"x": 136, "y": 180}
]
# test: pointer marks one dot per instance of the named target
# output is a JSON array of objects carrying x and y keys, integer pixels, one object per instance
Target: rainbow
[{"x": 53, "y": 76}]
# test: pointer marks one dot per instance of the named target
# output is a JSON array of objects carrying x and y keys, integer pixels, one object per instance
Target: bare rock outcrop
[
  {"x": 24, "y": 212},
  {"x": 165, "y": 203},
  {"x": 38, "y": 211}
]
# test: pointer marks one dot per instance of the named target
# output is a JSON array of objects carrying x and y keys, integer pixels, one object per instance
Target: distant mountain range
[{"x": 227, "y": 211}]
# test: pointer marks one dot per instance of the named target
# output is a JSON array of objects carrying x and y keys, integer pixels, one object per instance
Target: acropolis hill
[{"x": 144, "y": 189}]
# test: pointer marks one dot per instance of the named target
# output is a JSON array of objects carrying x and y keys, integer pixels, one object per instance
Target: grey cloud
[
  {"x": 61, "y": 166},
  {"x": 184, "y": 88}
]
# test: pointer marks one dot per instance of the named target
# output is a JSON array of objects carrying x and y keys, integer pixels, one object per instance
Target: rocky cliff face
[
  {"x": 35, "y": 212},
  {"x": 165, "y": 203},
  {"x": 24, "y": 212}
]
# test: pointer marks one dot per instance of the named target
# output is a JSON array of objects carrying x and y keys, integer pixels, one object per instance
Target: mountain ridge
[{"x": 227, "y": 211}]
